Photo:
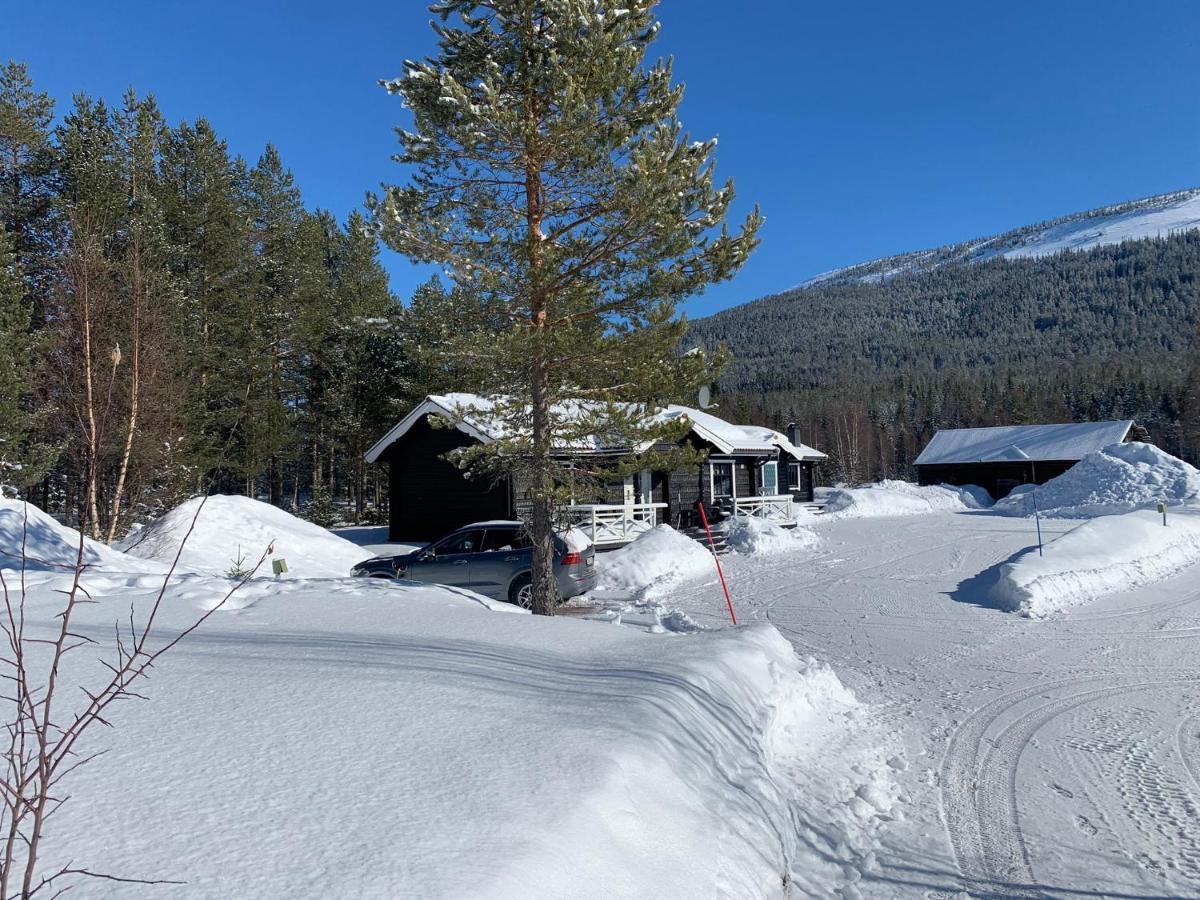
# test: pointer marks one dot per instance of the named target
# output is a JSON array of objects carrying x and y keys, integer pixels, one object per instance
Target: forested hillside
[{"x": 871, "y": 369}]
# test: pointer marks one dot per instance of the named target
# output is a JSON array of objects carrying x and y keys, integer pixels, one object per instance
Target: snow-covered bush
[{"x": 1113, "y": 480}]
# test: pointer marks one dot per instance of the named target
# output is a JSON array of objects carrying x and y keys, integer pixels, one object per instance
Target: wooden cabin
[
  {"x": 749, "y": 470},
  {"x": 1001, "y": 458}
]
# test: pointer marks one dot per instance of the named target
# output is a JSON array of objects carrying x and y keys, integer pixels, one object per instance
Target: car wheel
[{"x": 520, "y": 592}]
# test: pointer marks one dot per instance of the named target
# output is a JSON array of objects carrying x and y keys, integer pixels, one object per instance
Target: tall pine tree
[{"x": 553, "y": 182}]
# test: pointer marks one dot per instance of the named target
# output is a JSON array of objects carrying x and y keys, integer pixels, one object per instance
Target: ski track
[{"x": 1100, "y": 704}]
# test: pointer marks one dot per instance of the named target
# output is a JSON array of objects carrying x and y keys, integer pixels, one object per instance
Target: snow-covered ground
[
  {"x": 916, "y": 739},
  {"x": 1058, "y": 757},
  {"x": 330, "y": 736}
]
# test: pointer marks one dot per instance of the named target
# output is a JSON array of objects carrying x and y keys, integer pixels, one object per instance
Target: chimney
[{"x": 793, "y": 433}]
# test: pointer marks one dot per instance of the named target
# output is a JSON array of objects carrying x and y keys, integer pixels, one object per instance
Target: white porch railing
[
  {"x": 778, "y": 508},
  {"x": 613, "y": 524}
]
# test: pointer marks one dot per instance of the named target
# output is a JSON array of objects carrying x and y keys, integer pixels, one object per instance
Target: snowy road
[{"x": 1055, "y": 758}]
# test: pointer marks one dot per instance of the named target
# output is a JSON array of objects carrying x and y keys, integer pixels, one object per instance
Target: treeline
[
  {"x": 870, "y": 371},
  {"x": 173, "y": 319}
]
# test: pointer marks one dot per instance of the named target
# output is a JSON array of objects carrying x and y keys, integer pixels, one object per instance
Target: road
[{"x": 1052, "y": 758}]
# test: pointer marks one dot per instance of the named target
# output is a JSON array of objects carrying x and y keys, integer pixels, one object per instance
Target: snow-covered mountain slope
[{"x": 1151, "y": 217}]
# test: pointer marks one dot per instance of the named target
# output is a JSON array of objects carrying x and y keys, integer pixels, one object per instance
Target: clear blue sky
[{"x": 862, "y": 129}]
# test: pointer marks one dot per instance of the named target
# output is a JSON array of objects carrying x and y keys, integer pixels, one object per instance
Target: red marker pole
[{"x": 716, "y": 559}]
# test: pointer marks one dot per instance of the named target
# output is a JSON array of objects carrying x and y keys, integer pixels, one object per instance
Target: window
[
  {"x": 722, "y": 480},
  {"x": 794, "y": 481},
  {"x": 467, "y": 542},
  {"x": 770, "y": 478},
  {"x": 498, "y": 539}
]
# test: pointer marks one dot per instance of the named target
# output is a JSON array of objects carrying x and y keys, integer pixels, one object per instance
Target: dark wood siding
[
  {"x": 997, "y": 478},
  {"x": 430, "y": 496}
]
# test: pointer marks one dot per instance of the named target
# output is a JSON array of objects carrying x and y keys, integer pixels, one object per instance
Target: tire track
[{"x": 979, "y": 787}]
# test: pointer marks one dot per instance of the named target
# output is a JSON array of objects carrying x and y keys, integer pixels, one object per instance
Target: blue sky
[{"x": 862, "y": 129}]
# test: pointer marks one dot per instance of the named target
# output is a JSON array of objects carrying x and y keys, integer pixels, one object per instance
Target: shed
[{"x": 1002, "y": 457}]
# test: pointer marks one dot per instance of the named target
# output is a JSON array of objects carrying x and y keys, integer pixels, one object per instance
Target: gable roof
[
  {"x": 1010, "y": 443},
  {"x": 473, "y": 415}
]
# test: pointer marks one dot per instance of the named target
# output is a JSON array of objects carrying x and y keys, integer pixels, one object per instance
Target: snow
[
  {"x": 480, "y": 417},
  {"x": 1150, "y": 217},
  {"x": 752, "y": 536},
  {"x": 375, "y": 739},
  {"x": 1021, "y": 442},
  {"x": 1113, "y": 228},
  {"x": 46, "y": 545},
  {"x": 230, "y": 527},
  {"x": 901, "y": 498},
  {"x": 1107, "y": 554},
  {"x": 651, "y": 563},
  {"x": 1116, "y": 479}
]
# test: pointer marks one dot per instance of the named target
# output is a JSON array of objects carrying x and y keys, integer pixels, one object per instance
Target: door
[
  {"x": 505, "y": 552},
  {"x": 449, "y": 560}
]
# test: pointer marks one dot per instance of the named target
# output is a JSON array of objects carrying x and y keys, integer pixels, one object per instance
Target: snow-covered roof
[
  {"x": 474, "y": 415},
  {"x": 1012, "y": 443}
]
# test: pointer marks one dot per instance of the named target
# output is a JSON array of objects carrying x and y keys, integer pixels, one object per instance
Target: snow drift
[
  {"x": 1114, "y": 480},
  {"x": 493, "y": 755},
  {"x": 654, "y": 562},
  {"x": 1107, "y": 554},
  {"x": 231, "y": 528},
  {"x": 902, "y": 498},
  {"x": 751, "y": 536},
  {"x": 48, "y": 545}
]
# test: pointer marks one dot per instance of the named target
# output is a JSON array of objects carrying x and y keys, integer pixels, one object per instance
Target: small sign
[{"x": 279, "y": 566}]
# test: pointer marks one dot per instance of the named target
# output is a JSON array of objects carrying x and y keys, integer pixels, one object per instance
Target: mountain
[
  {"x": 871, "y": 359},
  {"x": 1151, "y": 217}
]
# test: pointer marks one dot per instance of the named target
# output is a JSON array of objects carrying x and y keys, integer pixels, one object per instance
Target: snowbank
[
  {"x": 903, "y": 498},
  {"x": 1114, "y": 480},
  {"x": 230, "y": 528},
  {"x": 50, "y": 546},
  {"x": 751, "y": 536},
  {"x": 1107, "y": 554},
  {"x": 504, "y": 756},
  {"x": 653, "y": 563}
]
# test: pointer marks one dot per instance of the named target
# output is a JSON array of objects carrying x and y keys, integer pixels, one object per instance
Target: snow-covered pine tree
[{"x": 553, "y": 183}]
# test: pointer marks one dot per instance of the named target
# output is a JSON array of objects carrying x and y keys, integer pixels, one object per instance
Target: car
[{"x": 491, "y": 558}]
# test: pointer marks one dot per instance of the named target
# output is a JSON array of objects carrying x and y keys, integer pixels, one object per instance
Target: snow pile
[
  {"x": 1114, "y": 480},
  {"x": 1107, "y": 554},
  {"x": 50, "y": 546},
  {"x": 903, "y": 498},
  {"x": 653, "y": 563},
  {"x": 629, "y": 765},
  {"x": 752, "y": 536},
  {"x": 229, "y": 529}
]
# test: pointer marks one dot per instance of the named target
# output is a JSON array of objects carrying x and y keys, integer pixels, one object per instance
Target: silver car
[{"x": 490, "y": 558}]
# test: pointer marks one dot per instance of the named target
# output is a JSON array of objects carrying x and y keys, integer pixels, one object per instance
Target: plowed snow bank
[
  {"x": 50, "y": 546},
  {"x": 1108, "y": 482},
  {"x": 653, "y": 563},
  {"x": 230, "y": 528},
  {"x": 1107, "y": 554},
  {"x": 902, "y": 498}
]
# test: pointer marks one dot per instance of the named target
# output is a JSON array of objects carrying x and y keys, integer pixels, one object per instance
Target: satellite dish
[{"x": 704, "y": 398}]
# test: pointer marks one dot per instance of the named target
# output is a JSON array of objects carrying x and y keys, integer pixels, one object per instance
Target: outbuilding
[{"x": 1003, "y": 457}]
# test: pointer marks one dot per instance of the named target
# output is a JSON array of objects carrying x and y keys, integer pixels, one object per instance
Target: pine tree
[
  {"x": 22, "y": 461},
  {"x": 554, "y": 183},
  {"x": 29, "y": 208}
]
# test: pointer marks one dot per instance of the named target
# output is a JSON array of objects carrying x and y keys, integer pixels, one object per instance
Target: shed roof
[
  {"x": 1011, "y": 443},
  {"x": 474, "y": 415}
]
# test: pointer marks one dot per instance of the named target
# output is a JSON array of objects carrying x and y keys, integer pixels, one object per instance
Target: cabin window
[
  {"x": 794, "y": 481},
  {"x": 722, "y": 480},
  {"x": 770, "y": 478}
]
